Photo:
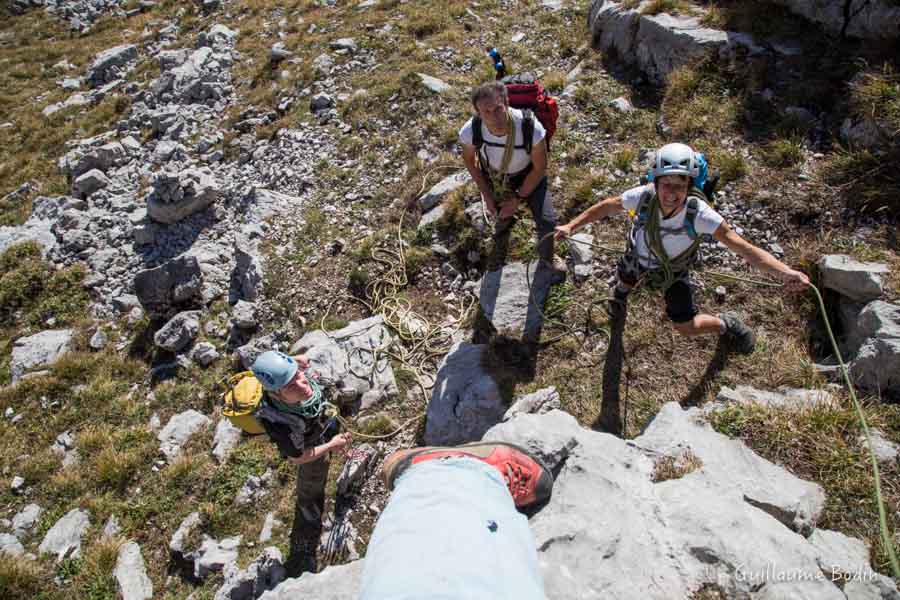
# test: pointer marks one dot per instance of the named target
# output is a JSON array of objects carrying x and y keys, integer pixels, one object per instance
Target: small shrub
[
  {"x": 416, "y": 259},
  {"x": 377, "y": 425},
  {"x": 731, "y": 166},
  {"x": 554, "y": 81},
  {"x": 624, "y": 158},
  {"x": 783, "y": 153}
]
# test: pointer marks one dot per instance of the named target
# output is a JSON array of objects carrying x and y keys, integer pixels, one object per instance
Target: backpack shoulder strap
[
  {"x": 690, "y": 215},
  {"x": 477, "y": 135},
  {"x": 527, "y": 130}
]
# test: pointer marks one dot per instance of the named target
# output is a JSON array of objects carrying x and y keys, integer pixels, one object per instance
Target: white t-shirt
[
  {"x": 494, "y": 154},
  {"x": 675, "y": 237}
]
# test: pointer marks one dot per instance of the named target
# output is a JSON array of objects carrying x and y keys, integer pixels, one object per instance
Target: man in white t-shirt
[
  {"x": 509, "y": 169},
  {"x": 669, "y": 218}
]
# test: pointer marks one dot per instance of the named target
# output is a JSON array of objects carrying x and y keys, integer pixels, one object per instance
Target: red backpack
[{"x": 525, "y": 93}]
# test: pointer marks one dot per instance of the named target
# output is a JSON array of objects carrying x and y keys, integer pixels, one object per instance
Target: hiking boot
[
  {"x": 740, "y": 336},
  {"x": 527, "y": 477}
]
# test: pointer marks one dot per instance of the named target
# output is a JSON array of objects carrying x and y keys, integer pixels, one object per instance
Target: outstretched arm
[
  {"x": 604, "y": 208},
  {"x": 793, "y": 280}
]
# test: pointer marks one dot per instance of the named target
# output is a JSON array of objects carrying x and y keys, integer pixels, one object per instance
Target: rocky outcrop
[
  {"x": 352, "y": 360},
  {"x": 858, "y": 281},
  {"x": 863, "y": 19},
  {"x": 262, "y": 575},
  {"x": 175, "y": 283},
  {"x": 658, "y": 44},
  {"x": 110, "y": 64},
  {"x": 179, "y": 195},
  {"x": 721, "y": 523},
  {"x": 876, "y": 342},
  {"x": 513, "y": 299},
  {"x": 35, "y": 352},
  {"x": 225, "y": 440},
  {"x": 179, "y": 332},
  {"x": 784, "y": 397},
  {"x": 465, "y": 401}
]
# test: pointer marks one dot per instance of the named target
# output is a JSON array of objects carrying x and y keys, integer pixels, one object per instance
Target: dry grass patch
[
  {"x": 676, "y": 467},
  {"x": 821, "y": 445}
]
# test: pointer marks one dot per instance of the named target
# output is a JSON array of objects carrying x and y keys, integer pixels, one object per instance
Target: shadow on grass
[{"x": 716, "y": 365}]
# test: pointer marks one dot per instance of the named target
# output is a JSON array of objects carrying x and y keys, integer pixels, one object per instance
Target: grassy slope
[{"x": 105, "y": 398}]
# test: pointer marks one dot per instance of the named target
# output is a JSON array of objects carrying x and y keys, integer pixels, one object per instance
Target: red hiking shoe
[{"x": 527, "y": 477}]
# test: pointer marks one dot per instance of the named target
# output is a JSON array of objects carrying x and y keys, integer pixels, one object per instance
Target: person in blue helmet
[{"x": 292, "y": 413}]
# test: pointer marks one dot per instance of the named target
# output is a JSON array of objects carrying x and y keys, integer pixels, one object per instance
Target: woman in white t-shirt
[{"x": 672, "y": 174}]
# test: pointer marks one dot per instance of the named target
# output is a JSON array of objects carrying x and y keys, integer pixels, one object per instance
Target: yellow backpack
[{"x": 239, "y": 402}]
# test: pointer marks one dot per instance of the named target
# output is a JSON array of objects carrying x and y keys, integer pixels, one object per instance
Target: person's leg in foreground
[{"x": 451, "y": 529}]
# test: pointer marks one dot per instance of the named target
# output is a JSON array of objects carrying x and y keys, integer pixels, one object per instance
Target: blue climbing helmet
[
  {"x": 274, "y": 370},
  {"x": 680, "y": 159}
]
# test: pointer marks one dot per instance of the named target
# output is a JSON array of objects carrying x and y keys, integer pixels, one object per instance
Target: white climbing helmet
[{"x": 675, "y": 159}]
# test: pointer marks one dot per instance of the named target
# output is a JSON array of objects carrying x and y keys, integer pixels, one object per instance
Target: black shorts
[{"x": 680, "y": 307}]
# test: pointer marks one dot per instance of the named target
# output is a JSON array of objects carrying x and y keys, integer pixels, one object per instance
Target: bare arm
[
  {"x": 538, "y": 169},
  {"x": 758, "y": 258},
  {"x": 311, "y": 454},
  {"x": 600, "y": 210}
]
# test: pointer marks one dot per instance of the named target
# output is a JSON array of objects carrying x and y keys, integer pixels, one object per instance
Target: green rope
[
  {"x": 309, "y": 408},
  {"x": 879, "y": 499},
  {"x": 670, "y": 268}
]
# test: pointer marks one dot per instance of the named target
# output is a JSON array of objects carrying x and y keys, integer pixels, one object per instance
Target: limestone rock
[
  {"x": 108, "y": 65},
  {"x": 864, "y": 19},
  {"x": 658, "y": 44},
  {"x": 582, "y": 254},
  {"x": 174, "y": 284},
  {"x": 99, "y": 340},
  {"x": 432, "y": 216},
  {"x": 247, "y": 277},
  {"x": 783, "y": 397},
  {"x": 434, "y": 84},
  {"x": 355, "y": 469},
  {"x": 465, "y": 401},
  {"x": 179, "y": 430},
  {"x": 332, "y": 583},
  {"x": 131, "y": 574},
  {"x": 858, "y": 281},
  {"x": 214, "y": 556},
  {"x": 262, "y": 575},
  {"x": 348, "y": 44},
  {"x": 64, "y": 538},
  {"x": 439, "y": 191},
  {"x": 177, "y": 547},
  {"x": 204, "y": 354},
  {"x": 179, "y": 195},
  {"x": 876, "y": 366},
  {"x": 26, "y": 519},
  {"x": 510, "y": 305},
  {"x": 225, "y": 440},
  {"x": 244, "y": 314},
  {"x": 179, "y": 332},
  {"x": 10, "y": 545},
  {"x": 734, "y": 469},
  {"x": 347, "y": 359},
  {"x": 622, "y": 105},
  {"x": 251, "y": 350},
  {"x": 699, "y": 529},
  {"x": 886, "y": 451},
  {"x": 90, "y": 182},
  {"x": 539, "y": 402},
  {"x": 38, "y": 351}
]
